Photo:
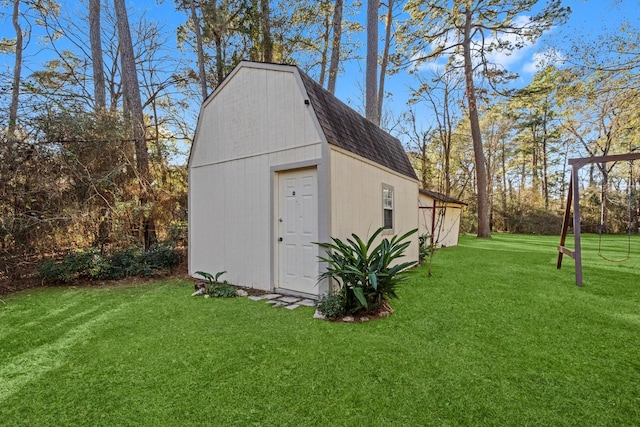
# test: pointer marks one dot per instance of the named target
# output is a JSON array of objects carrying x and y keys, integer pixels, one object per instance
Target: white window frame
[{"x": 388, "y": 205}]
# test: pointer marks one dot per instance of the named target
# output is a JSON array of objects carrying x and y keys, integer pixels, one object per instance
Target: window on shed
[{"x": 387, "y": 207}]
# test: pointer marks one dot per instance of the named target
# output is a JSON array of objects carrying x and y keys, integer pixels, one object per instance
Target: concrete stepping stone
[
  {"x": 279, "y": 300},
  {"x": 289, "y": 300},
  {"x": 279, "y": 304}
]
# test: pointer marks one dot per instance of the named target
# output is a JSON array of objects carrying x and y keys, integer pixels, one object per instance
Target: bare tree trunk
[
  {"x": 132, "y": 96},
  {"x": 267, "y": 42},
  {"x": 535, "y": 177},
  {"x": 99, "y": 87},
  {"x": 324, "y": 58},
  {"x": 217, "y": 40},
  {"x": 17, "y": 70},
  {"x": 503, "y": 165},
  {"x": 196, "y": 29},
  {"x": 100, "y": 100},
  {"x": 446, "y": 143},
  {"x": 545, "y": 164},
  {"x": 385, "y": 57},
  {"x": 335, "y": 48},
  {"x": 484, "y": 228},
  {"x": 371, "y": 78},
  {"x": 424, "y": 163},
  {"x": 545, "y": 173}
]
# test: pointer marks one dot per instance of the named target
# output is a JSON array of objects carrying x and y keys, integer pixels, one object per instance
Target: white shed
[
  {"x": 439, "y": 217},
  {"x": 278, "y": 163}
]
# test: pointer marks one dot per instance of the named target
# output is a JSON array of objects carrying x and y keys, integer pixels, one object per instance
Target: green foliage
[
  {"x": 332, "y": 305},
  {"x": 222, "y": 290},
  {"x": 177, "y": 232},
  {"x": 91, "y": 264},
  {"x": 425, "y": 247},
  {"x": 74, "y": 266},
  {"x": 215, "y": 288},
  {"x": 534, "y": 221},
  {"x": 119, "y": 264},
  {"x": 210, "y": 277},
  {"x": 366, "y": 274},
  {"x": 162, "y": 256}
]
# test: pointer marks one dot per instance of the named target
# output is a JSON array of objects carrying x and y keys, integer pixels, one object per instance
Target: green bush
[
  {"x": 73, "y": 266},
  {"x": 222, "y": 290},
  {"x": 366, "y": 274},
  {"x": 331, "y": 305},
  {"x": 425, "y": 247},
  {"x": 91, "y": 264},
  {"x": 120, "y": 264},
  {"x": 162, "y": 256},
  {"x": 216, "y": 288},
  {"x": 52, "y": 271}
]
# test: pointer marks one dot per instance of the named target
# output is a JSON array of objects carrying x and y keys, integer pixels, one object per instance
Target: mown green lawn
[{"x": 497, "y": 337}]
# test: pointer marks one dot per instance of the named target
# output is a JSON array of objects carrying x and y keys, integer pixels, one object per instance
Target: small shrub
[
  {"x": 120, "y": 264},
  {"x": 331, "y": 305},
  {"x": 215, "y": 288},
  {"x": 425, "y": 247},
  {"x": 52, "y": 271},
  {"x": 73, "y": 266},
  {"x": 162, "y": 256},
  {"x": 222, "y": 290}
]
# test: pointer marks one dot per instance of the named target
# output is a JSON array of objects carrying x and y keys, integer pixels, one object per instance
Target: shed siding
[
  {"x": 230, "y": 229},
  {"x": 259, "y": 121},
  {"x": 446, "y": 228},
  {"x": 258, "y": 111},
  {"x": 356, "y": 199}
]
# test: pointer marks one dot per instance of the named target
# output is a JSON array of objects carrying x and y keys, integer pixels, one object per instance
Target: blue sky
[{"x": 589, "y": 18}]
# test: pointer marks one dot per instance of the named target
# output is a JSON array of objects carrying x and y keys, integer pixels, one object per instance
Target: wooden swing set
[{"x": 573, "y": 195}]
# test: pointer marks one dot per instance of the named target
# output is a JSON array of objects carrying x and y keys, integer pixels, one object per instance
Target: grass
[{"x": 497, "y": 337}]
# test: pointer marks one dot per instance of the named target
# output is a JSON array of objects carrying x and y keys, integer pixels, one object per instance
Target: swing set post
[{"x": 573, "y": 195}]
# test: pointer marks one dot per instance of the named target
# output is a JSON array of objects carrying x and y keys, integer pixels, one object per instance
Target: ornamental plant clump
[
  {"x": 366, "y": 274},
  {"x": 216, "y": 288},
  {"x": 331, "y": 305}
]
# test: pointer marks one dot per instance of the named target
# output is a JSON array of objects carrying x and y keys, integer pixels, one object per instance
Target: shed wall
[
  {"x": 255, "y": 112},
  {"x": 447, "y": 220},
  {"x": 356, "y": 199},
  {"x": 258, "y": 122}
]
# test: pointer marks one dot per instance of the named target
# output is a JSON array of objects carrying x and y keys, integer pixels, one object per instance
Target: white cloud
[
  {"x": 509, "y": 58},
  {"x": 523, "y": 60},
  {"x": 539, "y": 60},
  {"x": 432, "y": 65}
]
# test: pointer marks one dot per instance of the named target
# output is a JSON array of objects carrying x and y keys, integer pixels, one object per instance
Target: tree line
[{"x": 93, "y": 136}]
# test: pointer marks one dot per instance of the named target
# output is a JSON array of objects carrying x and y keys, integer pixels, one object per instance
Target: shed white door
[{"x": 297, "y": 229}]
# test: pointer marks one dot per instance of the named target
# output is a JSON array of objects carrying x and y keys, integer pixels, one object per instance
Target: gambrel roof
[
  {"x": 342, "y": 126},
  {"x": 347, "y": 129}
]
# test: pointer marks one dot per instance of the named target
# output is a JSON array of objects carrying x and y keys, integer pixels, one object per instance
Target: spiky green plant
[
  {"x": 212, "y": 284},
  {"x": 366, "y": 274}
]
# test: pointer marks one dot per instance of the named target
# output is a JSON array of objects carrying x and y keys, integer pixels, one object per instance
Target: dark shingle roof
[
  {"x": 345, "y": 128},
  {"x": 441, "y": 197}
]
